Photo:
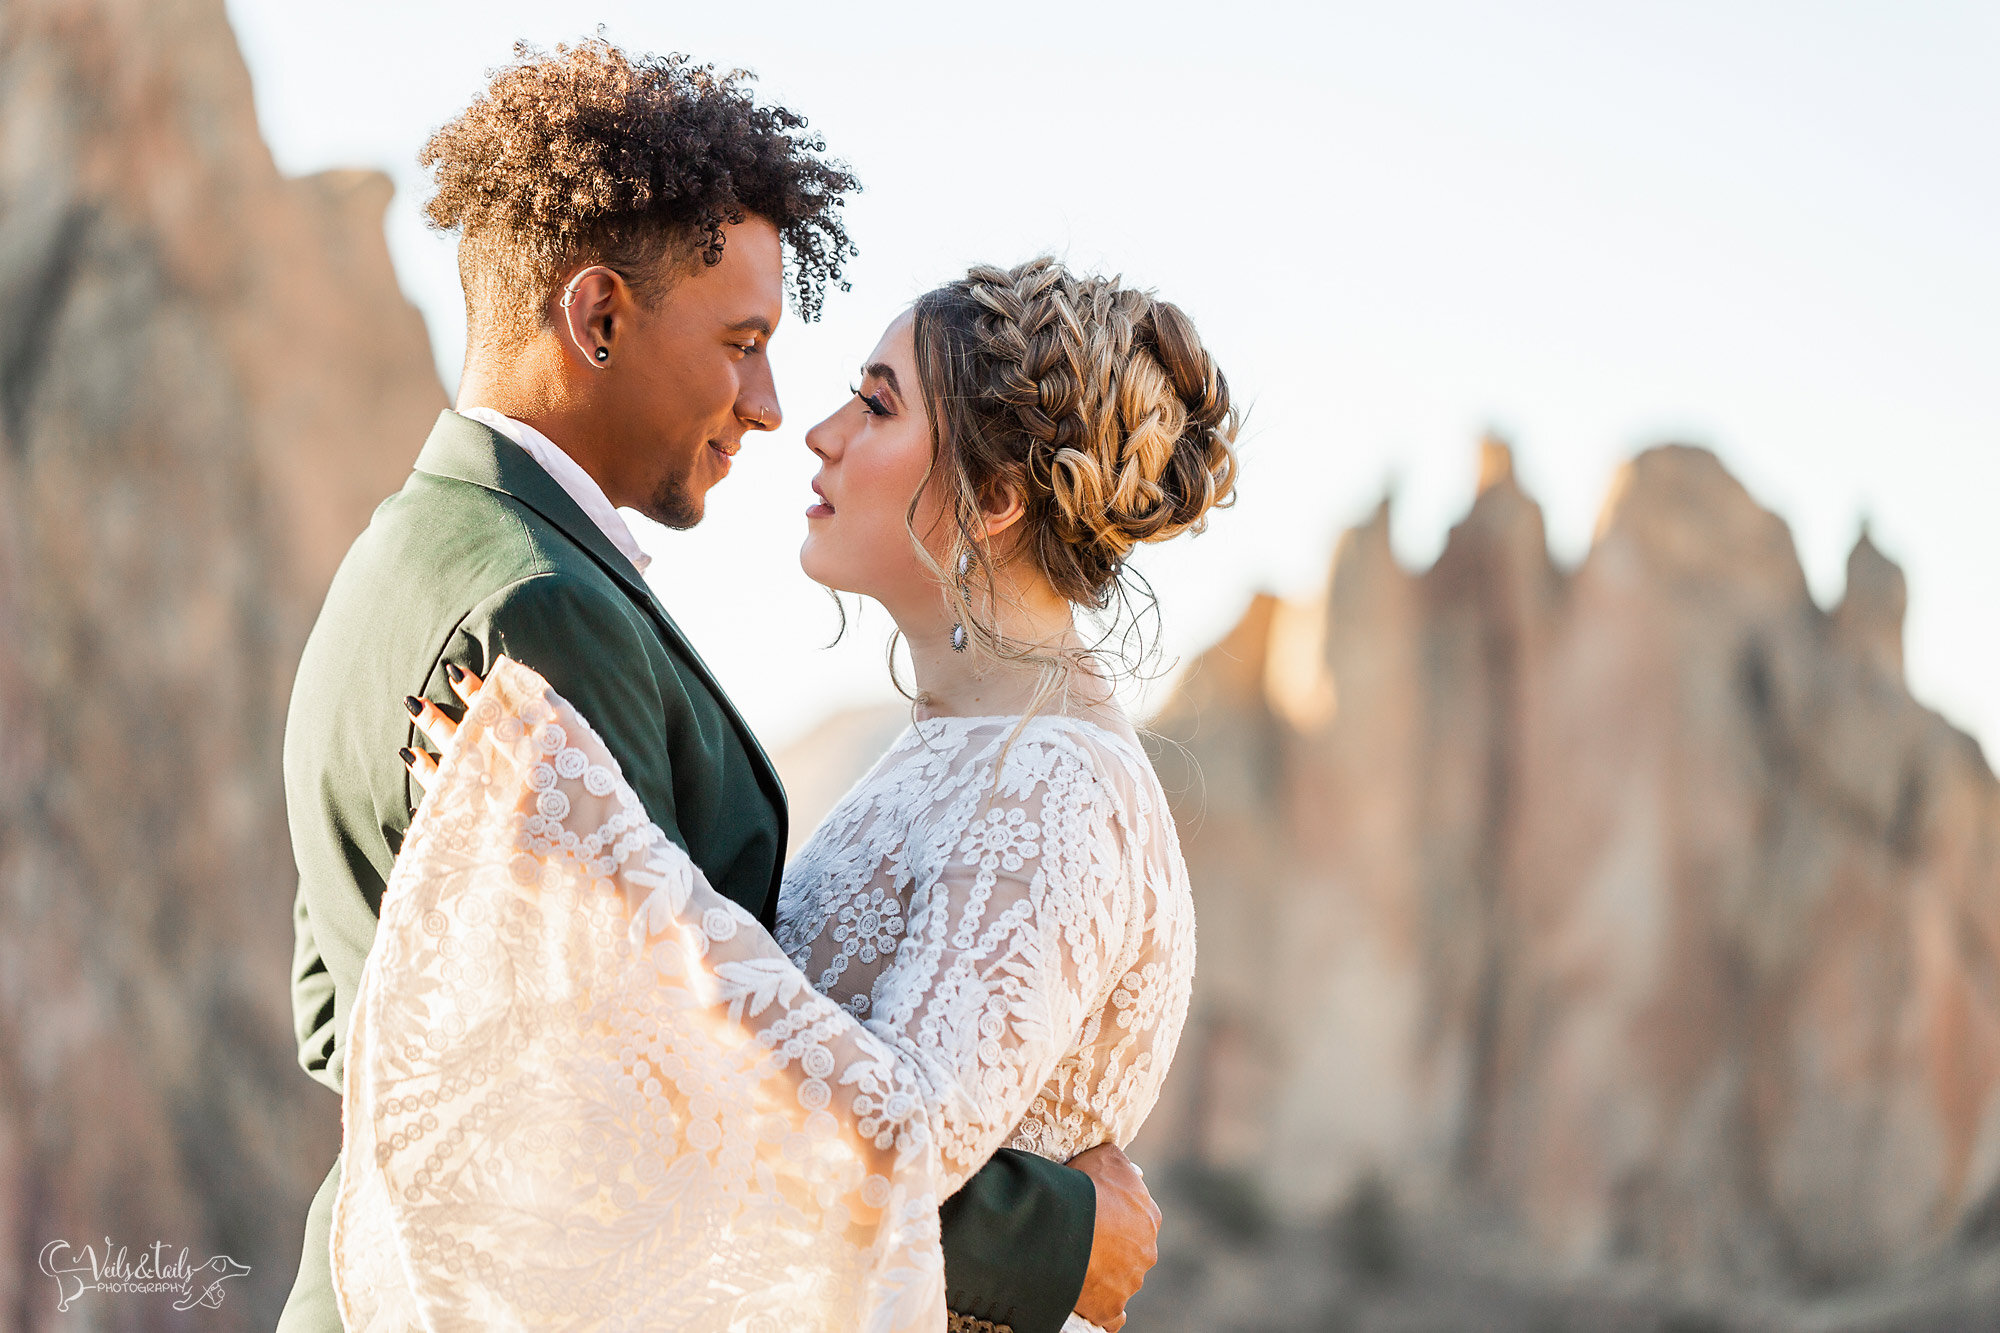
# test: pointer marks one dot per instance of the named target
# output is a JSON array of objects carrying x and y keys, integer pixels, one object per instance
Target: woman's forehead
[{"x": 897, "y": 346}]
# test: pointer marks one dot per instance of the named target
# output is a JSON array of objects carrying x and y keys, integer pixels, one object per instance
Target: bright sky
[{"x": 1768, "y": 226}]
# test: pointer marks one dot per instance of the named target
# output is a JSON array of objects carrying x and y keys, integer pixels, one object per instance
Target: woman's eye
[{"x": 875, "y": 407}]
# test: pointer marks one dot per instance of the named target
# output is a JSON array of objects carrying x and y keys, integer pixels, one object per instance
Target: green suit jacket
[{"x": 481, "y": 554}]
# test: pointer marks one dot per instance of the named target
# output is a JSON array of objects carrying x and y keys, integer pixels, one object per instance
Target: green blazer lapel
[{"x": 466, "y": 450}]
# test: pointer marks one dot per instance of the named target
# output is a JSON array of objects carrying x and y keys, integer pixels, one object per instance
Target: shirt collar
[{"x": 569, "y": 475}]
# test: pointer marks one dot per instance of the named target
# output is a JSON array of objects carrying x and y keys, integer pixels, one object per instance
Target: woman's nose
[{"x": 824, "y": 439}]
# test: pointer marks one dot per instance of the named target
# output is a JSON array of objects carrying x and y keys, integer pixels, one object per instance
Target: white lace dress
[{"x": 584, "y": 1090}]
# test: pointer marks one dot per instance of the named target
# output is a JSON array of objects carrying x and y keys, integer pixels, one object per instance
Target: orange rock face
[
  {"x": 208, "y": 377},
  {"x": 1633, "y": 918}
]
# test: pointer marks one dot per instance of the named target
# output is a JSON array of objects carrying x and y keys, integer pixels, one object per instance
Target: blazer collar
[{"x": 469, "y": 451}]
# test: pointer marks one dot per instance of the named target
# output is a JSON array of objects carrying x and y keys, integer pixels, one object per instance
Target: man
[{"x": 625, "y": 229}]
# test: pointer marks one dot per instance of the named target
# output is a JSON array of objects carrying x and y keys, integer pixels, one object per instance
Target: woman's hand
[{"x": 436, "y": 727}]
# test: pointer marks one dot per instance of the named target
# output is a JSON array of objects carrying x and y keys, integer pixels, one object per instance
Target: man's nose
[{"x": 757, "y": 405}]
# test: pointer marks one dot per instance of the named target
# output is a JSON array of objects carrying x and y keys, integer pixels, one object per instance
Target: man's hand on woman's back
[{"x": 1124, "y": 1243}]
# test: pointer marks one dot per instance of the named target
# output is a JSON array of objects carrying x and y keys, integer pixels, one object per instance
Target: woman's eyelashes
[{"x": 876, "y": 407}]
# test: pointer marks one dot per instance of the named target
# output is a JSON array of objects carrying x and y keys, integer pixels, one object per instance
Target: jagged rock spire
[
  {"x": 1496, "y": 462},
  {"x": 1869, "y": 619}
]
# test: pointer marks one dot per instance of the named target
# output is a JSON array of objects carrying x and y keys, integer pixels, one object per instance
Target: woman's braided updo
[{"x": 1094, "y": 402}]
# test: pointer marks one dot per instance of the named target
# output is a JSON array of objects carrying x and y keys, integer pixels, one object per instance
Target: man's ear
[{"x": 586, "y": 313}]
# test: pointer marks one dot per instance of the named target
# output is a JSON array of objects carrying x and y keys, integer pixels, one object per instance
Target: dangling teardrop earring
[{"x": 958, "y": 626}]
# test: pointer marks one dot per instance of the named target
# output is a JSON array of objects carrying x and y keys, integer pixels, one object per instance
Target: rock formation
[
  {"x": 208, "y": 377},
  {"x": 1632, "y": 920}
]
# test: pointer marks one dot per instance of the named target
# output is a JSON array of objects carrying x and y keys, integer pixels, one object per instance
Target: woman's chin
[{"x": 817, "y": 568}]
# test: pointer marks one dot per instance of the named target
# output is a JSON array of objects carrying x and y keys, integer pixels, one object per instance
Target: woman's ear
[{"x": 1000, "y": 508}]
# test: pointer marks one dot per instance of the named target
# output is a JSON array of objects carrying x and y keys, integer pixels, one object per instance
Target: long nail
[
  {"x": 454, "y": 672},
  {"x": 414, "y": 704},
  {"x": 409, "y": 755}
]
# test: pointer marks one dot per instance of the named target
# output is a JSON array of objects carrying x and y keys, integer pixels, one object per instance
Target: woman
[{"x": 593, "y": 1092}]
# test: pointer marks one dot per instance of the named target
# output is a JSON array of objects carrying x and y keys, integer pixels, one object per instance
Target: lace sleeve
[
  {"x": 583, "y": 1089},
  {"x": 1017, "y": 926}
]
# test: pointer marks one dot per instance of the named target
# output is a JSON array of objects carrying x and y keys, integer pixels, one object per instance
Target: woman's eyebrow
[{"x": 886, "y": 374}]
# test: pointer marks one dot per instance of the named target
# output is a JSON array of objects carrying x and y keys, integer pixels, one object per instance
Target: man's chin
[{"x": 676, "y": 505}]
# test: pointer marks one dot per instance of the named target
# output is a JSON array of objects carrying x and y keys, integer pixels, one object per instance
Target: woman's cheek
[{"x": 882, "y": 540}]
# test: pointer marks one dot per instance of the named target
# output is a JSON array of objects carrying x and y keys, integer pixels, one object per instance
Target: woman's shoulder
[
  {"x": 1041, "y": 728},
  {"x": 1058, "y": 749}
]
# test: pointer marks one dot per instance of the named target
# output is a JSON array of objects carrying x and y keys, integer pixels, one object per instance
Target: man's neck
[{"x": 527, "y": 388}]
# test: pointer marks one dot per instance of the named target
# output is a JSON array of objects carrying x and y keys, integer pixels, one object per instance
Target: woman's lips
[{"x": 822, "y": 509}]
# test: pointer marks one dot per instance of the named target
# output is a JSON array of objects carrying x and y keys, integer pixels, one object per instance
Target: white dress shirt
[{"x": 582, "y": 488}]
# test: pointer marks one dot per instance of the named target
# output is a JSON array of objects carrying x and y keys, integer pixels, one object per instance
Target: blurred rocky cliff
[
  {"x": 208, "y": 377},
  {"x": 1626, "y": 936},
  {"x": 1615, "y": 948}
]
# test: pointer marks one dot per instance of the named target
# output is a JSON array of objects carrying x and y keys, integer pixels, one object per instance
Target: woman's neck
[{"x": 974, "y": 683}]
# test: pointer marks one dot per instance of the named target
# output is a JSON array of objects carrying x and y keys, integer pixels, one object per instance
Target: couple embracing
[{"x": 606, "y": 1060}]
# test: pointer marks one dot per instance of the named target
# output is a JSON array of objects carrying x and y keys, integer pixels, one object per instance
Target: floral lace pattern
[
  {"x": 583, "y": 1089},
  {"x": 1048, "y": 932}
]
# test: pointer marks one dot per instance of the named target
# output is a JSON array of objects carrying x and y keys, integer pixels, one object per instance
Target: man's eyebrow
[
  {"x": 754, "y": 324},
  {"x": 886, "y": 374}
]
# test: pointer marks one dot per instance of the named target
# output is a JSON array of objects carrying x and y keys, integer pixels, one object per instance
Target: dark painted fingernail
[
  {"x": 454, "y": 671},
  {"x": 414, "y": 704},
  {"x": 409, "y": 755}
]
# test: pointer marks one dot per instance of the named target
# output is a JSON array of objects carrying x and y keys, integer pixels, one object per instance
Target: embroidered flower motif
[
  {"x": 1002, "y": 841},
  {"x": 868, "y": 926}
]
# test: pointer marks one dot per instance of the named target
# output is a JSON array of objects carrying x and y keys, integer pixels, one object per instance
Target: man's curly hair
[{"x": 588, "y": 154}]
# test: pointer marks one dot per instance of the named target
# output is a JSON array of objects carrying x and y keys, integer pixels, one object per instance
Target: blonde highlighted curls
[{"x": 1095, "y": 402}]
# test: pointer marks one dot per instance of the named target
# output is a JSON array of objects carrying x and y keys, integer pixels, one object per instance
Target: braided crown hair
[{"x": 1094, "y": 402}]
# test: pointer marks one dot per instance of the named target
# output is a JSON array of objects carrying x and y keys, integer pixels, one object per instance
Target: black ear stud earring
[{"x": 604, "y": 354}]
